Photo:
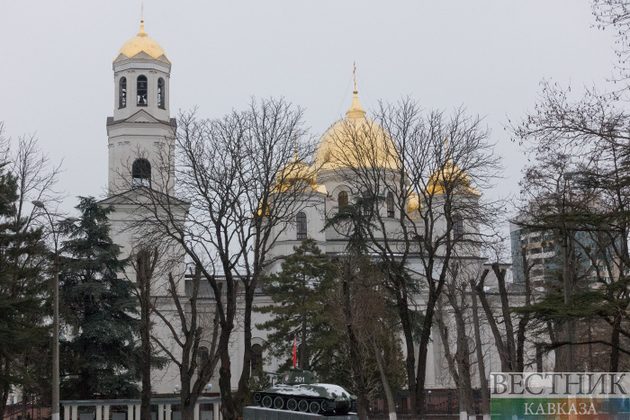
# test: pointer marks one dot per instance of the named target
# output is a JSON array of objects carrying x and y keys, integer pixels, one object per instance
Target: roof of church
[
  {"x": 141, "y": 43},
  {"x": 356, "y": 141}
]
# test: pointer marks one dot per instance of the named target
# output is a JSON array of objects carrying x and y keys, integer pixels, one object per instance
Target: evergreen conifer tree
[
  {"x": 23, "y": 293},
  {"x": 99, "y": 308},
  {"x": 299, "y": 293}
]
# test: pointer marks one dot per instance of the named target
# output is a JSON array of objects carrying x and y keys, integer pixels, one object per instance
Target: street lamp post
[
  {"x": 55, "y": 352},
  {"x": 566, "y": 274}
]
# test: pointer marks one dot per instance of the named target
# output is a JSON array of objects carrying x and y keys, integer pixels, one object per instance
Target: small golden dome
[
  {"x": 356, "y": 141},
  {"x": 295, "y": 172},
  {"x": 142, "y": 43},
  {"x": 450, "y": 177}
]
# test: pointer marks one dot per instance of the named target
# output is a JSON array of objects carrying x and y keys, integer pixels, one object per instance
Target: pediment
[
  {"x": 164, "y": 59},
  {"x": 143, "y": 55},
  {"x": 142, "y": 116},
  {"x": 121, "y": 57}
]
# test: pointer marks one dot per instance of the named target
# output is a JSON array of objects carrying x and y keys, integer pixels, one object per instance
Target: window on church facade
[
  {"x": 458, "y": 227},
  {"x": 142, "y": 91},
  {"x": 390, "y": 204},
  {"x": 342, "y": 200},
  {"x": 302, "y": 230},
  {"x": 257, "y": 360},
  {"x": 122, "y": 92},
  {"x": 141, "y": 173},
  {"x": 202, "y": 357},
  {"x": 160, "y": 94}
]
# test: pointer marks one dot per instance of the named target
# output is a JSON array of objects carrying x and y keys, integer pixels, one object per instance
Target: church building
[{"x": 141, "y": 151}]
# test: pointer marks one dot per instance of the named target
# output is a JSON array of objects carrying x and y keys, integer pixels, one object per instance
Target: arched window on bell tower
[
  {"x": 122, "y": 92},
  {"x": 161, "y": 97},
  {"x": 142, "y": 91},
  {"x": 141, "y": 173}
]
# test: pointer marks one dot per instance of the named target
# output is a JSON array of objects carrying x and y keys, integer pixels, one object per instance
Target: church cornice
[
  {"x": 142, "y": 117},
  {"x": 131, "y": 197}
]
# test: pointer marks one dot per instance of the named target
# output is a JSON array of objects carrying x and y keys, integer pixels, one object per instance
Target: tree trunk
[
  {"x": 443, "y": 329},
  {"x": 614, "y": 341},
  {"x": 228, "y": 410},
  {"x": 483, "y": 380},
  {"x": 391, "y": 404},
  {"x": 188, "y": 407},
  {"x": 407, "y": 328},
  {"x": 496, "y": 333},
  {"x": 243, "y": 384},
  {"x": 355, "y": 356},
  {"x": 510, "y": 345},
  {"x": 463, "y": 364},
  {"x": 6, "y": 388},
  {"x": 425, "y": 339},
  {"x": 144, "y": 273},
  {"x": 462, "y": 356}
]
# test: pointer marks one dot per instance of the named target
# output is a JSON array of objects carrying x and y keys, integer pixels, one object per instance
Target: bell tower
[{"x": 141, "y": 132}]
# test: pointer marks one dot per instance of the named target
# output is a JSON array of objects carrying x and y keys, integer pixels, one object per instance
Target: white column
[
  {"x": 160, "y": 412},
  {"x": 106, "y": 413},
  {"x": 196, "y": 415},
  {"x": 137, "y": 412},
  {"x": 66, "y": 412},
  {"x": 129, "y": 412},
  {"x": 99, "y": 412},
  {"x": 75, "y": 412},
  {"x": 215, "y": 411},
  {"x": 168, "y": 412}
]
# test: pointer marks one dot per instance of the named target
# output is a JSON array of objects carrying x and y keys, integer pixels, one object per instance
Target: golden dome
[
  {"x": 450, "y": 177},
  {"x": 295, "y": 172},
  {"x": 356, "y": 141},
  {"x": 142, "y": 43}
]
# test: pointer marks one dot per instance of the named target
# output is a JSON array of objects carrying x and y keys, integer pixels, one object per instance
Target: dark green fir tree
[
  {"x": 99, "y": 310},
  {"x": 24, "y": 342},
  {"x": 299, "y": 293}
]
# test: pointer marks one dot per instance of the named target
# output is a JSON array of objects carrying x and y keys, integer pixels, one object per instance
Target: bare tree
[
  {"x": 425, "y": 205},
  {"x": 27, "y": 175},
  {"x": 577, "y": 187},
  {"x": 456, "y": 293},
  {"x": 481, "y": 364},
  {"x": 144, "y": 263},
  {"x": 364, "y": 315},
  {"x": 233, "y": 173},
  {"x": 615, "y": 14}
]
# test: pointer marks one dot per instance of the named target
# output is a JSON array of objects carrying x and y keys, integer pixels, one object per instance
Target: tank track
[{"x": 304, "y": 404}]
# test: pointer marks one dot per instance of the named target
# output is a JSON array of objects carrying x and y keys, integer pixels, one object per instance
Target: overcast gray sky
[{"x": 56, "y": 57}]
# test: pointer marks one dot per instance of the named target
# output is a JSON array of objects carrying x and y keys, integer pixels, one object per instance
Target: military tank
[{"x": 297, "y": 390}]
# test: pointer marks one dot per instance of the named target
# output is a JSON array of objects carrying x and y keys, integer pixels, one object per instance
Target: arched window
[
  {"x": 302, "y": 230},
  {"x": 141, "y": 173},
  {"x": 390, "y": 204},
  {"x": 142, "y": 91},
  {"x": 160, "y": 91},
  {"x": 203, "y": 355},
  {"x": 122, "y": 92},
  {"x": 257, "y": 360},
  {"x": 458, "y": 227},
  {"x": 342, "y": 200}
]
